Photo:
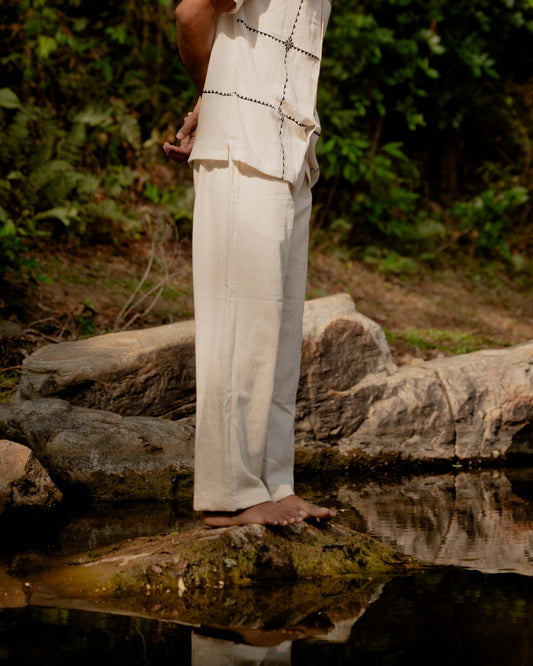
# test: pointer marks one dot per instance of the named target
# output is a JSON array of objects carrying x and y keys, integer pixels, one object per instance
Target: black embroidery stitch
[
  {"x": 289, "y": 45},
  {"x": 243, "y": 97},
  {"x": 282, "y": 116},
  {"x": 277, "y": 39}
]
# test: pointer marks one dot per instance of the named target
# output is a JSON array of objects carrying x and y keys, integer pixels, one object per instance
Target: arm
[{"x": 195, "y": 27}]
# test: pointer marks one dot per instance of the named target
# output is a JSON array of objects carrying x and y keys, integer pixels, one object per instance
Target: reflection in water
[
  {"x": 68, "y": 529},
  {"x": 451, "y": 616},
  {"x": 470, "y": 520},
  {"x": 479, "y": 520},
  {"x": 471, "y": 613},
  {"x": 262, "y": 616},
  {"x": 215, "y": 652},
  {"x": 439, "y": 618}
]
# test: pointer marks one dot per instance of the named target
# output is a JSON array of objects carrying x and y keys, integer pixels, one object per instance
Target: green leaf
[
  {"x": 62, "y": 213},
  {"x": 9, "y": 100},
  {"x": 46, "y": 46}
]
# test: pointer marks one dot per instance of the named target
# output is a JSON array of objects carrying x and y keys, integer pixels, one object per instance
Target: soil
[{"x": 80, "y": 292}]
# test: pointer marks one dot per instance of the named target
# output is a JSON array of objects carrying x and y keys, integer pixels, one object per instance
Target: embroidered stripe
[{"x": 257, "y": 101}]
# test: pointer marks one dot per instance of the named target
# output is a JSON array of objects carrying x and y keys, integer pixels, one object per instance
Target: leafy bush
[
  {"x": 78, "y": 122},
  {"x": 426, "y": 111},
  {"x": 419, "y": 101}
]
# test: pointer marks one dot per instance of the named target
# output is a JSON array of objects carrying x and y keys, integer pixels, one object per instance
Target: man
[{"x": 250, "y": 140}]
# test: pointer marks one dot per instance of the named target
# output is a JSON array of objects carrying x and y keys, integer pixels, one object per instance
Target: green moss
[
  {"x": 232, "y": 575},
  {"x": 452, "y": 341},
  {"x": 166, "y": 485}
]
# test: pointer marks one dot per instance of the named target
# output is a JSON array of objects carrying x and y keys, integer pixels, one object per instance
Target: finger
[
  {"x": 176, "y": 153},
  {"x": 189, "y": 124}
]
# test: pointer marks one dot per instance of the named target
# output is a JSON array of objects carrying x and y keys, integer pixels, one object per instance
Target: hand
[{"x": 185, "y": 135}]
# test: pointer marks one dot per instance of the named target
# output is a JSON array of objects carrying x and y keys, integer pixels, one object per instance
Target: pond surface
[{"x": 474, "y": 606}]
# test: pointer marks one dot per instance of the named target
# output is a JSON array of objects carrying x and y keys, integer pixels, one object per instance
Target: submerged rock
[
  {"x": 173, "y": 571},
  {"x": 104, "y": 455},
  {"x": 23, "y": 480},
  {"x": 12, "y": 591}
]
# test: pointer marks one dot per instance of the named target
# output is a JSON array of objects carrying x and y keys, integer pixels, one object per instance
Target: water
[{"x": 475, "y": 606}]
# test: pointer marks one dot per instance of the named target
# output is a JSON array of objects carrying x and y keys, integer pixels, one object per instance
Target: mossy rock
[{"x": 173, "y": 572}]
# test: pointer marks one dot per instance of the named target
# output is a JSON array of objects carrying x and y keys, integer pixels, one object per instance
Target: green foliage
[
  {"x": 78, "y": 119},
  {"x": 425, "y": 149},
  {"x": 43, "y": 183},
  {"x": 419, "y": 102},
  {"x": 488, "y": 217}
]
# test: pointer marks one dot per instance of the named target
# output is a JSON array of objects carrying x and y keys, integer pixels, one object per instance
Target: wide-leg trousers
[{"x": 250, "y": 244}]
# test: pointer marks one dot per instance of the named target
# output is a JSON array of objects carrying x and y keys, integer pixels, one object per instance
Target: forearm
[{"x": 195, "y": 27}]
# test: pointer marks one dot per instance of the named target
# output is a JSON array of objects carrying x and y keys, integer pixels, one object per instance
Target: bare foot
[
  {"x": 307, "y": 509},
  {"x": 266, "y": 513}
]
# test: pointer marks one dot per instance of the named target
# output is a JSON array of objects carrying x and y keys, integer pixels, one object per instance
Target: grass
[
  {"x": 452, "y": 341},
  {"x": 9, "y": 381}
]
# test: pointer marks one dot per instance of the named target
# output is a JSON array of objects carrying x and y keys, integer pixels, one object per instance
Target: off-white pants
[{"x": 250, "y": 240}]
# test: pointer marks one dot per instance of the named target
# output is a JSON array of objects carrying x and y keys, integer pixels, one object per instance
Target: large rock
[
  {"x": 23, "y": 481},
  {"x": 473, "y": 406},
  {"x": 406, "y": 413},
  {"x": 103, "y": 454},
  {"x": 351, "y": 394},
  {"x": 490, "y": 394},
  {"x": 341, "y": 348},
  {"x": 148, "y": 372},
  {"x": 477, "y": 405},
  {"x": 151, "y": 372}
]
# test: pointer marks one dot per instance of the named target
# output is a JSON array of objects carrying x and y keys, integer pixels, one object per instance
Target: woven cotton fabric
[
  {"x": 250, "y": 239},
  {"x": 259, "y": 100}
]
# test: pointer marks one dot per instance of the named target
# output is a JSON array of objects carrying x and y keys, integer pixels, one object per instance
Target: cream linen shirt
[{"x": 259, "y": 101}]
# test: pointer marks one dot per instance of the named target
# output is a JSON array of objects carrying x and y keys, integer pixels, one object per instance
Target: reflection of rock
[
  {"x": 12, "y": 593},
  {"x": 173, "y": 571},
  {"x": 308, "y": 605},
  {"x": 109, "y": 456},
  {"x": 458, "y": 616},
  {"x": 344, "y": 617},
  {"x": 299, "y": 608},
  {"x": 472, "y": 520},
  {"x": 23, "y": 481}
]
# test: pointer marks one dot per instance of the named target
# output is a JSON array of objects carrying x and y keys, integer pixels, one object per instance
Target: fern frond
[
  {"x": 71, "y": 146},
  {"x": 96, "y": 117},
  {"x": 110, "y": 211}
]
